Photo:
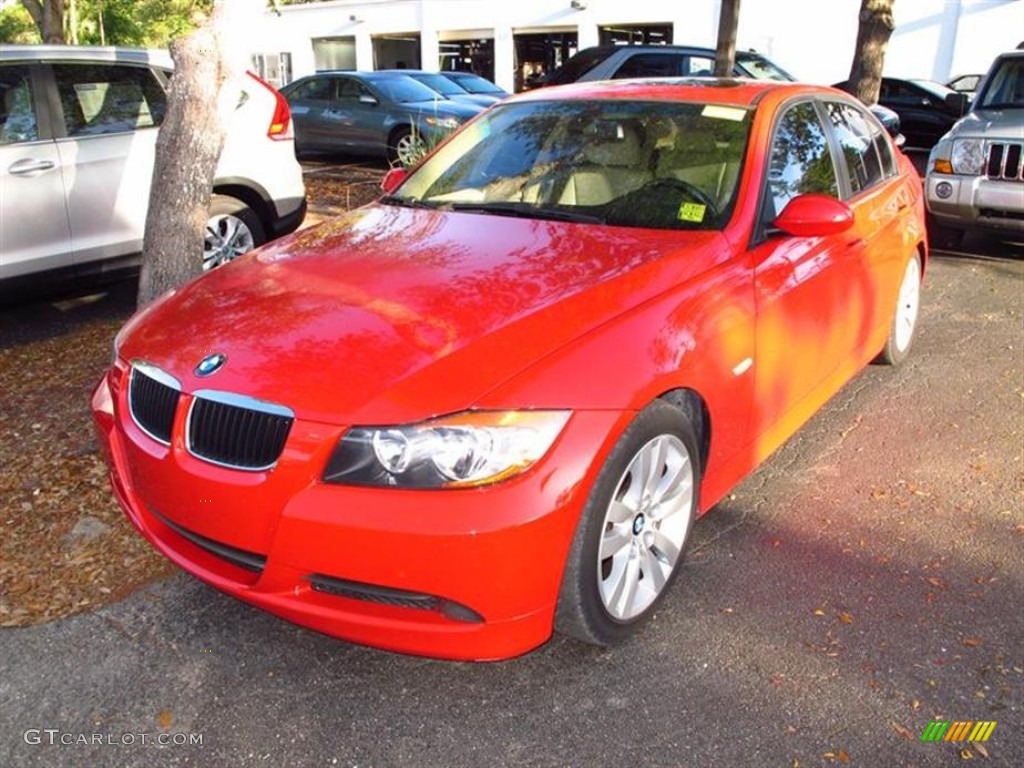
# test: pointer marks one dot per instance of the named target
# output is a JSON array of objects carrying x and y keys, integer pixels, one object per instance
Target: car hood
[
  {"x": 991, "y": 124},
  {"x": 443, "y": 106},
  {"x": 391, "y": 314}
]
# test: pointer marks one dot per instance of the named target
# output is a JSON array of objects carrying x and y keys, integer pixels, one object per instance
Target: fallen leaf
[
  {"x": 165, "y": 718},
  {"x": 915, "y": 704},
  {"x": 981, "y": 750},
  {"x": 844, "y": 756},
  {"x": 966, "y": 754},
  {"x": 972, "y": 642},
  {"x": 819, "y": 611},
  {"x": 936, "y": 582},
  {"x": 845, "y": 618},
  {"x": 901, "y": 730}
]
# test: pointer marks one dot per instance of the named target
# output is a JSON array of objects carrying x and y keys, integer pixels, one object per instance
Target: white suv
[{"x": 78, "y": 129}]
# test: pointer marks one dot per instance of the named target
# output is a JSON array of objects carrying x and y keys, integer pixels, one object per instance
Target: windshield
[
  {"x": 440, "y": 84},
  {"x": 403, "y": 88},
  {"x": 937, "y": 90},
  {"x": 578, "y": 65},
  {"x": 476, "y": 84},
  {"x": 761, "y": 68},
  {"x": 652, "y": 164},
  {"x": 1004, "y": 88}
]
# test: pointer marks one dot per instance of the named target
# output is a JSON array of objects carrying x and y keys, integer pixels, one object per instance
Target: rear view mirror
[{"x": 815, "y": 216}]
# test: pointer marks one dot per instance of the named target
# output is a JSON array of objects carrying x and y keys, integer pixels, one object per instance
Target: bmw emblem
[{"x": 210, "y": 364}]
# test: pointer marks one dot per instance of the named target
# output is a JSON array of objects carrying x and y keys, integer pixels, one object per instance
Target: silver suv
[
  {"x": 975, "y": 177},
  {"x": 78, "y": 129}
]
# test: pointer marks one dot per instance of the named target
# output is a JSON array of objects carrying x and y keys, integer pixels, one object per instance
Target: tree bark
[
  {"x": 200, "y": 100},
  {"x": 728, "y": 22},
  {"x": 876, "y": 26},
  {"x": 49, "y": 17}
]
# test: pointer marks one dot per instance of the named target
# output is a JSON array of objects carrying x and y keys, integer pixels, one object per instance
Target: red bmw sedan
[{"x": 491, "y": 404}]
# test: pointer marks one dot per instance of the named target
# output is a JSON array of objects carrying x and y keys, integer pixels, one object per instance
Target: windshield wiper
[
  {"x": 405, "y": 202},
  {"x": 526, "y": 211}
]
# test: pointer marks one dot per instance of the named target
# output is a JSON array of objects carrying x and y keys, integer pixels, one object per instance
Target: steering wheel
[{"x": 691, "y": 191}]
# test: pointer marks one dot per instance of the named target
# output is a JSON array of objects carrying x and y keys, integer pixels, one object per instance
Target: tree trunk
[
  {"x": 49, "y": 17},
  {"x": 728, "y": 22},
  {"x": 201, "y": 97},
  {"x": 876, "y": 26},
  {"x": 72, "y": 17}
]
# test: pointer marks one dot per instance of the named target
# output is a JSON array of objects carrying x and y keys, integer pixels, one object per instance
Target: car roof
[
  {"x": 633, "y": 48},
  {"x": 47, "y": 53},
  {"x": 742, "y": 92}
]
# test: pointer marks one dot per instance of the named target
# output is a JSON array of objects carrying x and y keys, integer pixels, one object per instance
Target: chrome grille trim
[
  {"x": 235, "y": 431},
  {"x": 137, "y": 389},
  {"x": 1005, "y": 161}
]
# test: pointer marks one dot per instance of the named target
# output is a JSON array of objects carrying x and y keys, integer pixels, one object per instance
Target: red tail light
[{"x": 280, "y": 128}]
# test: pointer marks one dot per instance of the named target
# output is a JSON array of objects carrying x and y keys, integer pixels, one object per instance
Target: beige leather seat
[{"x": 611, "y": 168}]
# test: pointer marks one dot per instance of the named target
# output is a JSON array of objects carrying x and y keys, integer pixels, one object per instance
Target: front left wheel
[{"x": 629, "y": 543}]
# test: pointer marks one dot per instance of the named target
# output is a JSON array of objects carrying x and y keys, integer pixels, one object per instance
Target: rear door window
[
  {"x": 99, "y": 99},
  {"x": 864, "y": 167}
]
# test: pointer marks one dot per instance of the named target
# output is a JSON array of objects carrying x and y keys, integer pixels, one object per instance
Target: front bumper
[
  {"x": 469, "y": 574},
  {"x": 976, "y": 202}
]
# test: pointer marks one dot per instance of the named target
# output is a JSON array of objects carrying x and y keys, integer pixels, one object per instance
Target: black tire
[
  {"x": 399, "y": 137},
  {"x": 942, "y": 237},
  {"x": 901, "y": 338},
  {"x": 226, "y": 213},
  {"x": 582, "y": 612}
]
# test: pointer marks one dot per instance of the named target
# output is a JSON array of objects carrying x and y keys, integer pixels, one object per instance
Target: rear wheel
[
  {"x": 904, "y": 319},
  {"x": 629, "y": 543},
  {"x": 232, "y": 229}
]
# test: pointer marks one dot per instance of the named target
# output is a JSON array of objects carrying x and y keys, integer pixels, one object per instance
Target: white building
[{"x": 506, "y": 40}]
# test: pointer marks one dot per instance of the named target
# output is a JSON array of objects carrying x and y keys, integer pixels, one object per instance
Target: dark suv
[{"x": 615, "y": 62}]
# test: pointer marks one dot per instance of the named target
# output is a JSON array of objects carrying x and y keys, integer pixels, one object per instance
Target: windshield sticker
[
  {"x": 724, "y": 113},
  {"x": 692, "y": 212}
]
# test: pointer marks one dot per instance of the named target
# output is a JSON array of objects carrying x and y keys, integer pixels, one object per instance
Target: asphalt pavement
[{"x": 866, "y": 581}]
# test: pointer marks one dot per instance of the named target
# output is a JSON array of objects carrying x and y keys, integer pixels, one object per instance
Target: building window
[
  {"x": 334, "y": 53},
  {"x": 275, "y": 68},
  {"x": 636, "y": 34}
]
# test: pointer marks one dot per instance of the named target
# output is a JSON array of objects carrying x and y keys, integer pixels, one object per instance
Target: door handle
[{"x": 29, "y": 165}]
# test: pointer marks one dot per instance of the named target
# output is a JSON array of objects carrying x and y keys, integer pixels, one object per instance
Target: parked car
[
  {"x": 78, "y": 129},
  {"x": 925, "y": 108},
  {"x": 975, "y": 176},
  {"x": 478, "y": 86},
  {"x": 614, "y": 62},
  {"x": 371, "y": 113},
  {"x": 493, "y": 403},
  {"x": 965, "y": 84},
  {"x": 445, "y": 87}
]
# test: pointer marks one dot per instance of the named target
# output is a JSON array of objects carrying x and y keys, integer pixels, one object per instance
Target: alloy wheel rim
[
  {"x": 227, "y": 237},
  {"x": 408, "y": 149},
  {"x": 645, "y": 527},
  {"x": 909, "y": 303}
]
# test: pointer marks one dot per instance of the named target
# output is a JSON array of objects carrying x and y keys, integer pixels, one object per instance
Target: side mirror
[
  {"x": 393, "y": 179},
  {"x": 814, "y": 216},
  {"x": 958, "y": 103},
  {"x": 367, "y": 99}
]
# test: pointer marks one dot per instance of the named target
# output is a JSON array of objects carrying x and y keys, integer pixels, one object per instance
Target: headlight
[
  {"x": 448, "y": 123},
  {"x": 464, "y": 450},
  {"x": 968, "y": 156}
]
